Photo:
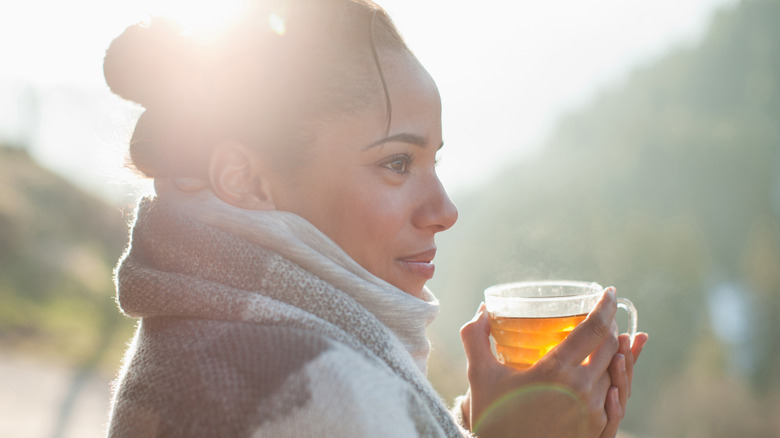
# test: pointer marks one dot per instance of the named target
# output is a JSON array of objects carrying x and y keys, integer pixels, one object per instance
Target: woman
[{"x": 279, "y": 272}]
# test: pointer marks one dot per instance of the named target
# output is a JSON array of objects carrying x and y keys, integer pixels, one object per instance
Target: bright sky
[{"x": 505, "y": 69}]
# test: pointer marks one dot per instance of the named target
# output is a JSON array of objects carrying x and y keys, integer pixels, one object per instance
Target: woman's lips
[
  {"x": 421, "y": 264},
  {"x": 423, "y": 269}
]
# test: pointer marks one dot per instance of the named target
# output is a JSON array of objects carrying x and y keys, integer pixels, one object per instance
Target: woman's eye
[{"x": 399, "y": 163}]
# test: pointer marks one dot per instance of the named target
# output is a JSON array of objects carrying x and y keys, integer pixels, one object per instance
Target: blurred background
[{"x": 636, "y": 144}]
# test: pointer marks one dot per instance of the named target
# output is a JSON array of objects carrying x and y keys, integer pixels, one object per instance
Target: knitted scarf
[{"x": 224, "y": 292}]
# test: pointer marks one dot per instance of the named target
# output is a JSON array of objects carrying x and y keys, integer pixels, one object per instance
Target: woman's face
[{"x": 379, "y": 198}]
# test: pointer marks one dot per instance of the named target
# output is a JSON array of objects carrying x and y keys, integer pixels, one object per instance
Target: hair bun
[{"x": 144, "y": 61}]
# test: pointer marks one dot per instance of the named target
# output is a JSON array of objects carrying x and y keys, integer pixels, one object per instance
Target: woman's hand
[
  {"x": 621, "y": 372},
  {"x": 560, "y": 396}
]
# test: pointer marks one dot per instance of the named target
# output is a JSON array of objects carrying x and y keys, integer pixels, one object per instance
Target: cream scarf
[{"x": 298, "y": 241}]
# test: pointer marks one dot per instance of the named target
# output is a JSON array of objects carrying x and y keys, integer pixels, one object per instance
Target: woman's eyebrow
[{"x": 403, "y": 137}]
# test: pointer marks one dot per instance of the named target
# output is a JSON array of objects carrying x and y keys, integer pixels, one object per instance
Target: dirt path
[{"x": 31, "y": 394}]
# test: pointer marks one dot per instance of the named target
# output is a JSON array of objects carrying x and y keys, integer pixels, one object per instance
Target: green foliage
[
  {"x": 665, "y": 186},
  {"x": 57, "y": 250}
]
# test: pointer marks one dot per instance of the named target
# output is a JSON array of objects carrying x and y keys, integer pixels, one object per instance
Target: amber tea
[
  {"x": 520, "y": 342},
  {"x": 529, "y": 319}
]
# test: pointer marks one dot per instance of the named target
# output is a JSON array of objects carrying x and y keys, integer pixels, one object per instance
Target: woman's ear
[{"x": 237, "y": 175}]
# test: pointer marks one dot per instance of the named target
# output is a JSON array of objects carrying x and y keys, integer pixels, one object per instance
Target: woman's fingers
[
  {"x": 628, "y": 358},
  {"x": 618, "y": 374},
  {"x": 475, "y": 336},
  {"x": 600, "y": 360},
  {"x": 591, "y": 333},
  {"x": 599, "y": 398},
  {"x": 639, "y": 344},
  {"x": 617, "y": 395},
  {"x": 614, "y": 413}
]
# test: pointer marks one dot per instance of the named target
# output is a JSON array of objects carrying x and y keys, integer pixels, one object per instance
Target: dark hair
[{"x": 251, "y": 84}]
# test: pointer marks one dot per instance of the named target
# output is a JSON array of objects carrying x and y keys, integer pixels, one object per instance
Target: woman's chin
[{"x": 415, "y": 290}]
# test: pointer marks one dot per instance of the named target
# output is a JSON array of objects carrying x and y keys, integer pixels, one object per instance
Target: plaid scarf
[{"x": 256, "y": 324}]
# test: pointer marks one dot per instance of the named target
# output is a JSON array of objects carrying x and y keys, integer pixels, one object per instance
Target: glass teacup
[{"x": 528, "y": 319}]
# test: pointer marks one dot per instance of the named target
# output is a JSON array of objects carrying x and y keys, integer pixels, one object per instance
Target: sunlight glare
[
  {"x": 277, "y": 24},
  {"x": 204, "y": 20}
]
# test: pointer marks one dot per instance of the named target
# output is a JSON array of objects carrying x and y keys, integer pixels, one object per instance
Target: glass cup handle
[{"x": 628, "y": 306}]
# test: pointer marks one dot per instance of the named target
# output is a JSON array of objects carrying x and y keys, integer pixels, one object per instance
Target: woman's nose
[{"x": 437, "y": 211}]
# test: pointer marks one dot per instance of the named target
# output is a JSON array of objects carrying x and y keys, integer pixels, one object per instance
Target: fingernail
[{"x": 621, "y": 361}]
